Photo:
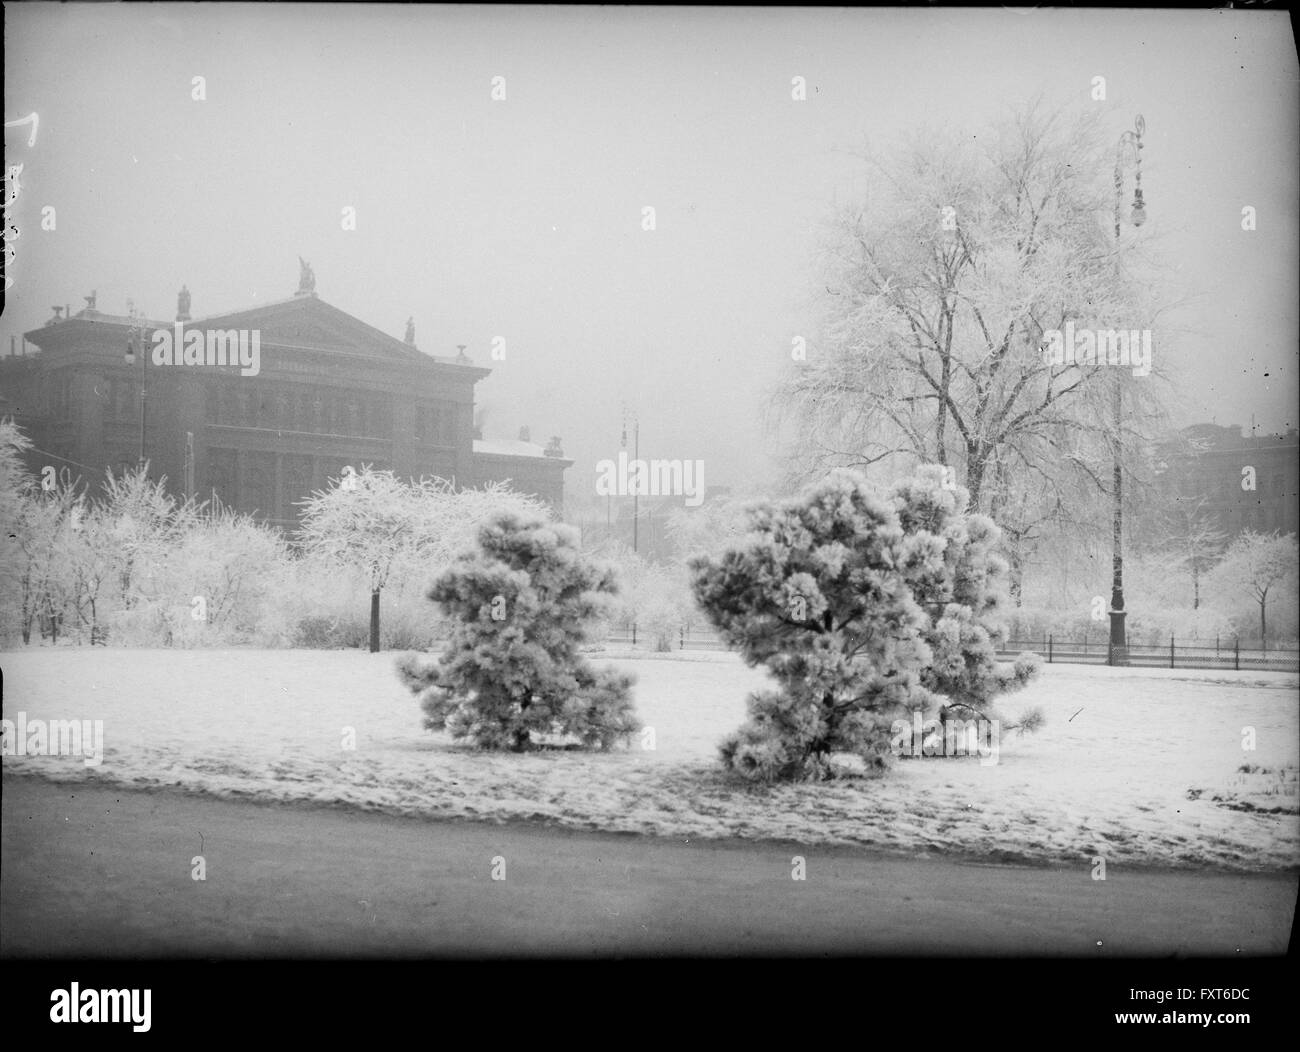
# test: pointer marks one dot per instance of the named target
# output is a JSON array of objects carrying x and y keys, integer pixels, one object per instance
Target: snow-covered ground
[{"x": 1134, "y": 766}]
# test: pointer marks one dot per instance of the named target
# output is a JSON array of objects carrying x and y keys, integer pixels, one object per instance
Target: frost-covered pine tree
[
  {"x": 520, "y": 606},
  {"x": 862, "y": 608},
  {"x": 964, "y": 598}
]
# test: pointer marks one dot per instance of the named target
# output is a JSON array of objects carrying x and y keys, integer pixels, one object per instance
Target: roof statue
[
  {"x": 183, "y": 304},
  {"x": 306, "y": 279},
  {"x": 410, "y": 331}
]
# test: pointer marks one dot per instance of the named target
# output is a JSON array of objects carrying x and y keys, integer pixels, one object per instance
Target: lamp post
[
  {"x": 135, "y": 335},
  {"x": 636, "y": 456},
  {"x": 636, "y": 489},
  {"x": 1127, "y": 151}
]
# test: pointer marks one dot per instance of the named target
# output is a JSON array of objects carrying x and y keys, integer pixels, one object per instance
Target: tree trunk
[
  {"x": 976, "y": 463},
  {"x": 1016, "y": 577},
  {"x": 374, "y": 621}
]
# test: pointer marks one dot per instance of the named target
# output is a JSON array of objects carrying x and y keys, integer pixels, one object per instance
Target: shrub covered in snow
[
  {"x": 520, "y": 605},
  {"x": 862, "y": 608},
  {"x": 128, "y": 564}
]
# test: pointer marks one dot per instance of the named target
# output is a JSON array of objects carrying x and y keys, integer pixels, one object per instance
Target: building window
[
  {"x": 63, "y": 395},
  {"x": 119, "y": 399},
  {"x": 257, "y": 486},
  {"x": 297, "y": 484},
  {"x": 223, "y": 475}
]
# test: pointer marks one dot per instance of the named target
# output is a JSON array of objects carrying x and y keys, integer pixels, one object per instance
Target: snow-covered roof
[{"x": 508, "y": 447}]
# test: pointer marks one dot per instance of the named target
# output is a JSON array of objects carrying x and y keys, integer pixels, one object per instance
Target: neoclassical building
[{"x": 316, "y": 390}]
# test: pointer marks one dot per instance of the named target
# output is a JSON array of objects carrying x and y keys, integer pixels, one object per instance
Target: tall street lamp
[
  {"x": 1128, "y": 151},
  {"x": 636, "y": 490}
]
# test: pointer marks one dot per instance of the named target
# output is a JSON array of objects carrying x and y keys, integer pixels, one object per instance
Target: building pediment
[
  {"x": 308, "y": 322},
  {"x": 302, "y": 322}
]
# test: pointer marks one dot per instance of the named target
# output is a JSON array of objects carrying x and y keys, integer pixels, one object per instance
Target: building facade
[
  {"x": 259, "y": 409},
  {"x": 1236, "y": 481}
]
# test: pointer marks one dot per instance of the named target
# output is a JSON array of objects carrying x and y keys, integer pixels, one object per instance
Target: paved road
[{"x": 105, "y": 872}]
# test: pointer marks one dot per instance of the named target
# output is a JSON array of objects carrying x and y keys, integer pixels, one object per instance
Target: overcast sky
[{"x": 522, "y": 218}]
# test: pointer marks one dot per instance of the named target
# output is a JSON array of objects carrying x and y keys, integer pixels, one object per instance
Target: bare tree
[
  {"x": 940, "y": 290},
  {"x": 1259, "y": 564},
  {"x": 374, "y": 521},
  {"x": 1191, "y": 531}
]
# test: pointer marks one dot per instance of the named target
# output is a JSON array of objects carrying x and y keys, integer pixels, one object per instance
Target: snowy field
[{"x": 1141, "y": 767}]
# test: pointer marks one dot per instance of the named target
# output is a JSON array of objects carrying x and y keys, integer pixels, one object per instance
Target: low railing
[{"x": 1224, "y": 654}]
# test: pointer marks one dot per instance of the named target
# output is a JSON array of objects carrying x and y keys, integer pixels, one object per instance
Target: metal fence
[
  {"x": 684, "y": 639},
  {"x": 1225, "y": 654},
  {"x": 1228, "y": 654}
]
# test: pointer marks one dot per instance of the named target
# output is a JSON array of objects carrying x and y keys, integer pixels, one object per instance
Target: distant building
[
  {"x": 1219, "y": 465},
  {"x": 327, "y": 391}
]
